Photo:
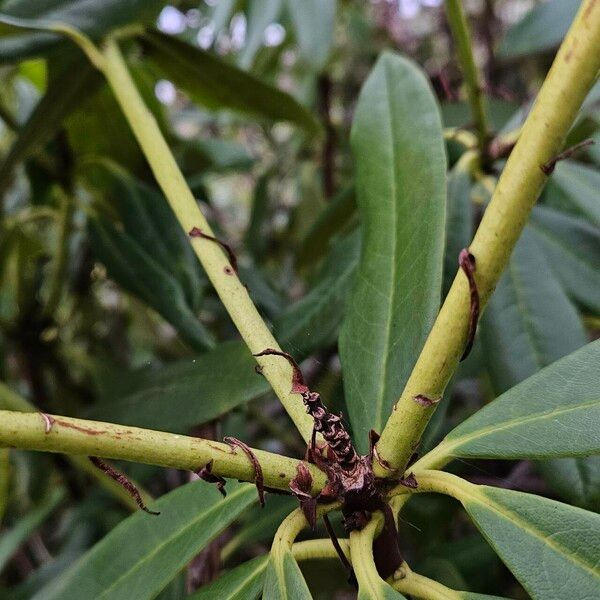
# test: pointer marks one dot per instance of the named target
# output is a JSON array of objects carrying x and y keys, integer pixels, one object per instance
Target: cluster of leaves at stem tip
[{"x": 422, "y": 246}]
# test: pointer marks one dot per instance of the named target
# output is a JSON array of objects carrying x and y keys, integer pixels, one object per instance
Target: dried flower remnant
[
  {"x": 468, "y": 264},
  {"x": 548, "y": 168},
  {"x": 258, "y": 472},
  {"x": 122, "y": 480},
  {"x": 197, "y": 232},
  {"x": 350, "y": 477},
  {"x": 205, "y": 473}
]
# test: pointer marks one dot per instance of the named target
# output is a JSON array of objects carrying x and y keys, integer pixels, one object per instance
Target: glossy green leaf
[
  {"x": 11, "y": 539},
  {"x": 138, "y": 272},
  {"x": 143, "y": 553},
  {"x": 215, "y": 84},
  {"x": 579, "y": 185},
  {"x": 70, "y": 83},
  {"x": 92, "y": 17},
  {"x": 529, "y": 322},
  {"x": 313, "y": 26},
  {"x": 187, "y": 392},
  {"x": 459, "y": 222},
  {"x": 572, "y": 248},
  {"x": 261, "y": 13},
  {"x": 555, "y": 412},
  {"x": 242, "y": 583},
  {"x": 283, "y": 578},
  {"x": 553, "y": 549},
  {"x": 314, "y": 321},
  {"x": 401, "y": 192},
  {"x": 542, "y": 28}
]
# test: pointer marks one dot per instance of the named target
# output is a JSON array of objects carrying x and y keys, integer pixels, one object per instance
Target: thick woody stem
[
  {"x": 93, "y": 438},
  {"x": 573, "y": 73}
]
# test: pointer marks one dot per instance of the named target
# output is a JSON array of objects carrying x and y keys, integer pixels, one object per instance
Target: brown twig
[
  {"x": 548, "y": 168},
  {"x": 122, "y": 480},
  {"x": 197, "y": 232},
  {"x": 467, "y": 263},
  {"x": 258, "y": 473}
]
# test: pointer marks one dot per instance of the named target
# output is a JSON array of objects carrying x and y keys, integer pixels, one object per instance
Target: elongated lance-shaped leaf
[
  {"x": 556, "y": 412},
  {"x": 401, "y": 190},
  {"x": 187, "y": 392},
  {"x": 530, "y": 322},
  {"x": 215, "y": 84},
  {"x": 543, "y": 28},
  {"x": 572, "y": 247},
  {"x": 245, "y": 582},
  {"x": 143, "y": 553},
  {"x": 92, "y": 18},
  {"x": 553, "y": 549}
]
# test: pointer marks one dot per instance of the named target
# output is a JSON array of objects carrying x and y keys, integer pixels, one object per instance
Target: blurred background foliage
[{"x": 105, "y": 312}]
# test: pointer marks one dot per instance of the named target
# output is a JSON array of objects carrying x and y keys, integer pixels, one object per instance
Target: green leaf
[
  {"x": 401, "y": 192},
  {"x": 553, "y": 549},
  {"x": 143, "y": 553},
  {"x": 529, "y": 322},
  {"x": 91, "y": 17},
  {"x": 70, "y": 83},
  {"x": 245, "y": 582},
  {"x": 187, "y": 392},
  {"x": 138, "y": 272},
  {"x": 459, "y": 222},
  {"x": 314, "y": 321},
  {"x": 542, "y": 28},
  {"x": 556, "y": 412},
  {"x": 313, "y": 26},
  {"x": 283, "y": 579},
  {"x": 12, "y": 538},
  {"x": 579, "y": 185},
  {"x": 212, "y": 154},
  {"x": 215, "y": 84},
  {"x": 572, "y": 248}
]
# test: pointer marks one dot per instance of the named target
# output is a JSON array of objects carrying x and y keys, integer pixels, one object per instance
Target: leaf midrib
[
  {"x": 510, "y": 515},
  {"x": 215, "y": 508},
  {"x": 388, "y": 325},
  {"x": 456, "y": 443}
]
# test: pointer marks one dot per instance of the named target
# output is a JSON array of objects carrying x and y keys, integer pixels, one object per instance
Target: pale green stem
[
  {"x": 361, "y": 551},
  {"x": 10, "y": 400},
  {"x": 462, "y": 36},
  {"x": 231, "y": 290},
  {"x": 407, "y": 581},
  {"x": 93, "y": 438},
  {"x": 60, "y": 263},
  {"x": 319, "y": 549},
  {"x": 569, "y": 80}
]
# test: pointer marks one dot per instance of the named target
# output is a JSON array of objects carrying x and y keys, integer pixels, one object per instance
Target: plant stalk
[
  {"x": 80, "y": 437},
  {"x": 230, "y": 289},
  {"x": 464, "y": 46},
  {"x": 572, "y": 74}
]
